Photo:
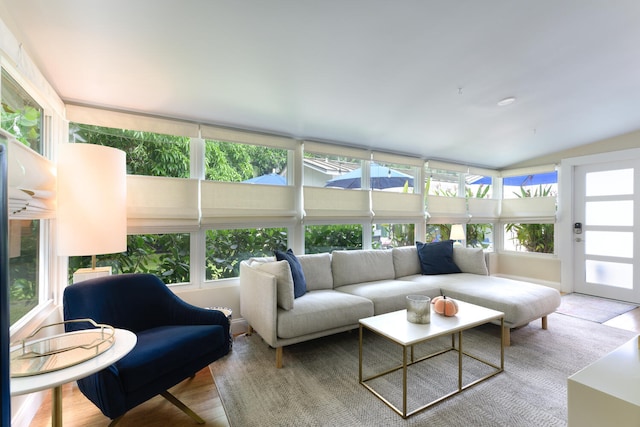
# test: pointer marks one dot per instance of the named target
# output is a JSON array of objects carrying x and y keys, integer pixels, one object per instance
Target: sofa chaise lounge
[{"x": 345, "y": 286}]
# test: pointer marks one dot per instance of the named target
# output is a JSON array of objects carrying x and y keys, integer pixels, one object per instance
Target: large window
[
  {"x": 326, "y": 238},
  {"x": 234, "y": 162},
  {"x": 165, "y": 255},
  {"x": 148, "y": 153},
  {"x": 530, "y": 201},
  {"x": 385, "y": 236},
  {"x": 227, "y": 248},
  {"x": 22, "y": 117}
]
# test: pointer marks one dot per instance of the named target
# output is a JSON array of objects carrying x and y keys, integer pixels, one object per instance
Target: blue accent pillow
[
  {"x": 437, "y": 257},
  {"x": 299, "y": 282}
]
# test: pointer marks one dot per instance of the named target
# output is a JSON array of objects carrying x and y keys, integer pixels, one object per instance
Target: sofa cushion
[
  {"x": 284, "y": 281},
  {"x": 390, "y": 295},
  {"x": 470, "y": 260},
  {"x": 521, "y": 302},
  {"x": 299, "y": 281},
  {"x": 406, "y": 261},
  {"x": 319, "y": 311},
  {"x": 317, "y": 271},
  {"x": 359, "y": 266},
  {"x": 437, "y": 257}
]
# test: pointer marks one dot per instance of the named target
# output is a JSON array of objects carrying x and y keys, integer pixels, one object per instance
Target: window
[
  {"x": 164, "y": 255},
  {"x": 529, "y": 204},
  {"x": 326, "y": 238},
  {"x": 235, "y": 162},
  {"x": 387, "y": 236},
  {"x": 22, "y": 117},
  {"x": 478, "y": 186},
  {"x": 440, "y": 182},
  {"x": 24, "y": 261},
  {"x": 227, "y": 248},
  {"x": 148, "y": 153},
  {"x": 525, "y": 237},
  {"x": 332, "y": 171}
]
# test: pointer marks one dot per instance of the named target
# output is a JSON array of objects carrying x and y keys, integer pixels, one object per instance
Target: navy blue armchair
[{"x": 175, "y": 339}]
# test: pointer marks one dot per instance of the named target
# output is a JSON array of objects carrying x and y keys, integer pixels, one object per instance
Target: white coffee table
[
  {"x": 395, "y": 327},
  {"x": 125, "y": 341}
]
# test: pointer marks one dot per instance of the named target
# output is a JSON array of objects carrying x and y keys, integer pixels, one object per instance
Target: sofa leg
[
  {"x": 544, "y": 322},
  {"x": 506, "y": 336},
  {"x": 278, "y": 357},
  {"x": 184, "y": 408}
]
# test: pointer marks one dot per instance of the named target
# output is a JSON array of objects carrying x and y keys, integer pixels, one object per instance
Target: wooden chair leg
[
  {"x": 278, "y": 357},
  {"x": 544, "y": 322}
]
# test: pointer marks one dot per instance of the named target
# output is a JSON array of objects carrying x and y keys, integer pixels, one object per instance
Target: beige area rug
[
  {"x": 318, "y": 385},
  {"x": 592, "y": 308}
]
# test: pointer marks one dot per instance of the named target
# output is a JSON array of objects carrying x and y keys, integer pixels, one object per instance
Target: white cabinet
[{"x": 607, "y": 392}]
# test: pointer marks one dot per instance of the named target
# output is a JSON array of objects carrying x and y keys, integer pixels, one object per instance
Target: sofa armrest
[{"x": 258, "y": 301}]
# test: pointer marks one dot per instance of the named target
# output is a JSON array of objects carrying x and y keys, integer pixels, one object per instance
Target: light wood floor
[{"x": 199, "y": 394}]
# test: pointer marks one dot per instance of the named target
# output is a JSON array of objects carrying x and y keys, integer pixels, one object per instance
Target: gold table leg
[{"x": 56, "y": 406}]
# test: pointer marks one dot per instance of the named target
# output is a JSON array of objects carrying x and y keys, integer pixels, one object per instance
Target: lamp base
[{"x": 83, "y": 274}]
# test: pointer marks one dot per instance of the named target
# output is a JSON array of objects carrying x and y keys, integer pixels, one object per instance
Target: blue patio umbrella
[
  {"x": 270, "y": 179},
  {"x": 381, "y": 177},
  {"x": 522, "y": 180}
]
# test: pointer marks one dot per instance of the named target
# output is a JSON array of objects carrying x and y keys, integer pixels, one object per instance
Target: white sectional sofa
[{"x": 345, "y": 286}]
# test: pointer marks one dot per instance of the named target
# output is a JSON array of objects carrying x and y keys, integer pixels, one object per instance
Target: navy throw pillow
[
  {"x": 299, "y": 282},
  {"x": 437, "y": 257}
]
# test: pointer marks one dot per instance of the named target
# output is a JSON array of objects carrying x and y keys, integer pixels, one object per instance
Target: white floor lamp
[{"x": 91, "y": 214}]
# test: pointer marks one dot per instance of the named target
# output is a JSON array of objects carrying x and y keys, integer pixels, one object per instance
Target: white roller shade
[
  {"x": 391, "y": 206},
  {"x": 336, "y": 150},
  {"x": 228, "y": 202},
  {"x": 380, "y": 157},
  {"x": 439, "y": 165},
  {"x": 31, "y": 182},
  {"x": 245, "y": 137},
  {"x": 529, "y": 209},
  {"x": 321, "y": 203},
  {"x": 528, "y": 170},
  {"x": 160, "y": 202},
  {"x": 130, "y": 121},
  {"x": 483, "y": 210},
  {"x": 444, "y": 210}
]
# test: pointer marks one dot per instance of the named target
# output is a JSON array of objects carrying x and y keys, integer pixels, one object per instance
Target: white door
[{"x": 606, "y": 230}]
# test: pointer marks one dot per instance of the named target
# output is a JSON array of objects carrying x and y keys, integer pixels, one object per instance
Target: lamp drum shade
[{"x": 92, "y": 194}]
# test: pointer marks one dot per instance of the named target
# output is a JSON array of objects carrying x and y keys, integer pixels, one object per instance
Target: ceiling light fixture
[{"x": 506, "y": 101}]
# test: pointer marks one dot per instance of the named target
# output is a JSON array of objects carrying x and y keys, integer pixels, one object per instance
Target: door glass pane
[
  {"x": 618, "y": 212},
  {"x": 609, "y": 183},
  {"x": 609, "y": 243},
  {"x": 609, "y": 273}
]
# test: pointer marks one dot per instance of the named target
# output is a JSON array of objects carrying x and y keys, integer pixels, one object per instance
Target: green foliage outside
[
  {"x": 326, "y": 238},
  {"x": 226, "y": 248},
  {"x": 534, "y": 237}
]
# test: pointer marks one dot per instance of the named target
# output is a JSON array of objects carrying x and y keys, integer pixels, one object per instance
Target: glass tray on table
[{"x": 38, "y": 356}]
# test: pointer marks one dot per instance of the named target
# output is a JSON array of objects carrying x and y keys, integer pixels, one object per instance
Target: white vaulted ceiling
[{"x": 420, "y": 77}]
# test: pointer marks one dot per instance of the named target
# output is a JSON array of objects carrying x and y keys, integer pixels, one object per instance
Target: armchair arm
[
  {"x": 183, "y": 313},
  {"x": 258, "y": 301}
]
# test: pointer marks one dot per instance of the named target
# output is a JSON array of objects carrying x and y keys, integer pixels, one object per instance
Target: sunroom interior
[{"x": 458, "y": 151}]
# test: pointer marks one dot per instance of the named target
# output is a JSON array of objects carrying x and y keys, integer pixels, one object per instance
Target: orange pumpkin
[{"x": 445, "y": 306}]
